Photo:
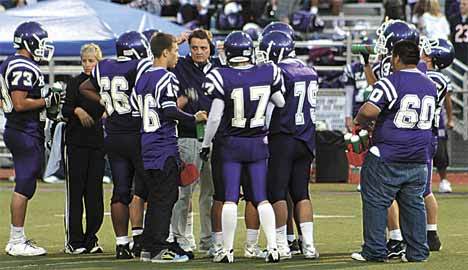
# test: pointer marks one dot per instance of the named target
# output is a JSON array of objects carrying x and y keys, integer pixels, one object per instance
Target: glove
[
  {"x": 52, "y": 99},
  {"x": 365, "y": 56},
  {"x": 204, "y": 153}
]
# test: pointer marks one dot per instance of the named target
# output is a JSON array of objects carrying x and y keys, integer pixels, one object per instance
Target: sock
[
  {"x": 137, "y": 231},
  {"x": 267, "y": 220},
  {"x": 281, "y": 237},
  {"x": 122, "y": 240},
  {"x": 229, "y": 223},
  {"x": 252, "y": 237},
  {"x": 431, "y": 227},
  {"x": 17, "y": 234},
  {"x": 307, "y": 229},
  {"x": 395, "y": 235},
  {"x": 217, "y": 238},
  {"x": 291, "y": 237}
]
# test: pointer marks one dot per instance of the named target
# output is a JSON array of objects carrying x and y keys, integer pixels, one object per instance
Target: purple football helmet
[
  {"x": 276, "y": 46},
  {"x": 35, "y": 39},
  {"x": 278, "y": 26},
  {"x": 238, "y": 47},
  {"x": 132, "y": 45},
  {"x": 442, "y": 53},
  {"x": 392, "y": 31},
  {"x": 148, "y": 33}
]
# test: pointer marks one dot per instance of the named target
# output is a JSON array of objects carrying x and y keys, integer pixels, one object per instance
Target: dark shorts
[
  {"x": 28, "y": 159},
  {"x": 124, "y": 153},
  {"x": 288, "y": 168},
  {"x": 441, "y": 158}
]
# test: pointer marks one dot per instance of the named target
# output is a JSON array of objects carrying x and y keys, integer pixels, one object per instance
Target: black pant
[
  {"x": 84, "y": 169},
  {"x": 163, "y": 192}
]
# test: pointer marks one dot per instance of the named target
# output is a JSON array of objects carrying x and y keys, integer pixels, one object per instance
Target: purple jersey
[
  {"x": 155, "y": 90},
  {"x": 407, "y": 102},
  {"x": 354, "y": 76},
  {"x": 19, "y": 73},
  {"x": 444, "y": 86},
  {"x": 245, "y": 92},
  {"x": 297, "y": 118},
  {"x": 115, "y": 80}
]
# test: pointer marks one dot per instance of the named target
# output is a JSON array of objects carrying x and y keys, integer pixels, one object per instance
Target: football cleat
[
  {"x": 395, "y": 248},
  {"x": 273, "y": 256},
  {"x": 136, "y": 247},
  {"x": 254, "y": 251},
  {"x": 69, "y": 249},
  {"x": 123, "y": 252},
  {"x": 284, "y": 252},
  {"x": 224, "y": 256},
  {"x": 294, "y": 247},
  {"x": 26, "y": 248},
  {"x": 433, "y": 241},
  {"x": 310, "y": 252},
  {"x": 357, "y": 256}
]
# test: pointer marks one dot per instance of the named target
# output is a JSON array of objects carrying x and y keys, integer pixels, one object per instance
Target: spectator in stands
[
  {"x": 459, "y": 32},
  {"x": 430, "y": 20},
  {"x": 152, "y": 6},
  {"x": 194, "y": 12},
  {"x": 84, "y": 161},
  {"x": 394, "y": 9}
]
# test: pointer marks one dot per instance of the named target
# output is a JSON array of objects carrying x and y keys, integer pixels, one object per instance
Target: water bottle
[
  {"x": 347, "y": 138},
  {"x": 358, "y": 48},
  {"x": 356, "y": 143},
  {"x": 364, "y": 136},
  {"x": 200, "y": 129}
]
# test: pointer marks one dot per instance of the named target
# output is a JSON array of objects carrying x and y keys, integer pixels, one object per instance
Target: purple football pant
[{"x": 232, "y": 179}]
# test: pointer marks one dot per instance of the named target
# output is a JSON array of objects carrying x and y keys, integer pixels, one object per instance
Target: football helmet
[
  {"x": 442, "y": 53},
  {"x": 132, "y": 45},
  {"x": 35, "y": 39},
  {"x": 252, "y": 29},
  {"x": 392, "y": 31},
  {"x": 278, "y": 26},
  {"x": 276, "y": 46},
  {"x": 238, "y": 47},
  {"x": 148, "y": 33}
]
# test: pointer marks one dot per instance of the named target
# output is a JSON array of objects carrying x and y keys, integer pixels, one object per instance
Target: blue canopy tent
[{"x": 72, "y": 23}]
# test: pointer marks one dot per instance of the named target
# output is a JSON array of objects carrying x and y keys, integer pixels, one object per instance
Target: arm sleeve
[
  {"x": 384, "y": 94},
  {"x": 167, "y": 100},
  {"x": 21, "y": 77},
  {"x": 278, "y": 99},
  {"x": 71, "y": 94},
  {"x": 216, "y": 113},
  {"x": 136, "y": 104},
  {"x": 175, "y": 113},
  {"x": 269, "y": 113},
  {"x": 278, "y": 80},
  {"x": 213, "y": 85}
]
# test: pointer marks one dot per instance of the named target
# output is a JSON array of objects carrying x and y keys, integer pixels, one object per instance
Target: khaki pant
[{"x": 189, "y": 149}]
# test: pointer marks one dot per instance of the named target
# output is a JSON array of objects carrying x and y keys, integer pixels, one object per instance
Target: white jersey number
[
  {"x": 260, "y": 93},
  {"x": 408, "y": 117},
  {"x": 300, "y": 91},
  {"x": 114, "y": 97}
]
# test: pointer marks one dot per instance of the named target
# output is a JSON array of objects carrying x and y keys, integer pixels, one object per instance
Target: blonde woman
[
  {"x": 84, "y": 161},
  {"x": 432, "y": 22}
]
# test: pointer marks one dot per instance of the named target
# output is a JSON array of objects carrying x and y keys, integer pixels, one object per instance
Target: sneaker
[
  {"x": 169, "y": 256},
  {"x": 357, "y": 256},
  {"x": 395, "y": 248},
  {"x": 106, "y": 179},
  {"x": 214, "y": 250},
  {"x": 94, "y": 249},
  {"x": 69, "y": 249},
  {"x": 254, "y": 251},
  {"x": 53, "y": 180},
  {"x": 433, "y": 241},
  {"x": 175, "y": 247},
  {"x": 310, "y": 252},
  {"x": 272, "y": 256},
  {"x": 223, "y": 256},
  {"x": 26, "y": 248},
  {"x": 445, "y": 186},
  {"x": 136, "y": 246},
  {"x": 285, "y": 253},
  {"x": 294, "y": 247},
  {"x": 123, "y": 252},
  {"x": 145, "y": 256}
]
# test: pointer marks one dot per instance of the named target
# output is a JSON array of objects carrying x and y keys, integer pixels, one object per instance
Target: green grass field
[{"x": 338, "y": 232}]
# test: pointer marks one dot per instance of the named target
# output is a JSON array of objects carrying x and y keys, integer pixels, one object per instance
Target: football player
[
  {"x": 111, "y": 84},
  {"x": 25, "y": 101},
  {"x": 291, "y": 141},
  {"x": 155, "y": 103},
  {"x": 241, "y": 93}
]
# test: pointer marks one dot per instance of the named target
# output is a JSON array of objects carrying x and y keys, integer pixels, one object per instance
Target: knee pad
[{"x": 26, "y": 188}]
